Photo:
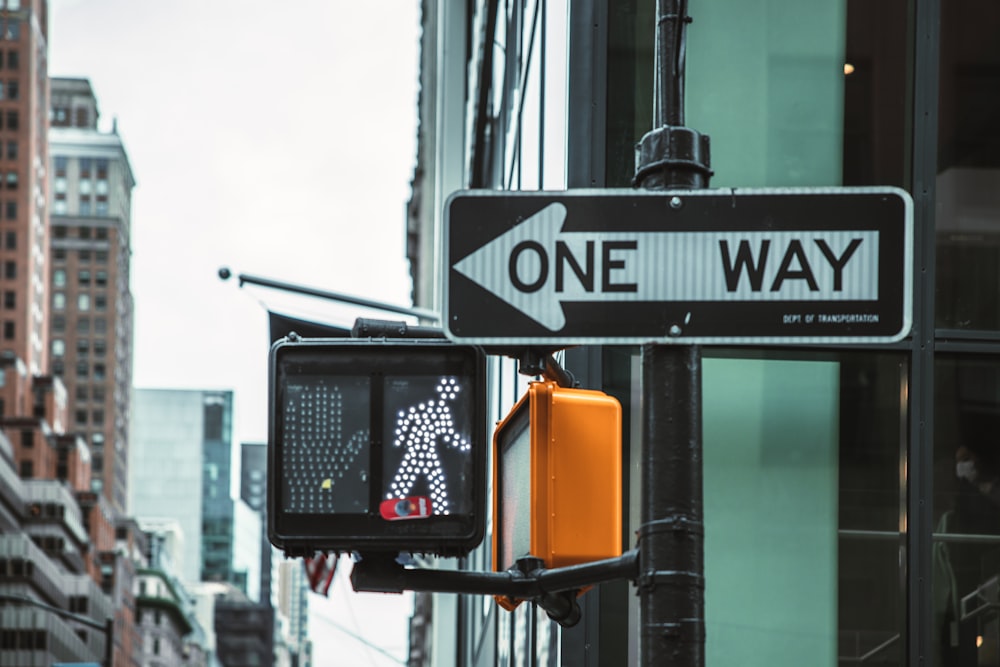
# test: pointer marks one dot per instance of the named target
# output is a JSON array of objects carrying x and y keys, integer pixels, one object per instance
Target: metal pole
[{"x": 671, "y": 535}]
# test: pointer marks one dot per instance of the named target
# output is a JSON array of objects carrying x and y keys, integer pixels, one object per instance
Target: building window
[
  {"x": 13, "y": 31},
  {"x": 10, "y": 270},
  {"x": 59, "y": 206},
  {"x": 99, "y": 371},
  {"x": 84, "y": 187},
  {"x": 13, "y": 90},
  {"x": 10, "y": 210},
  {"x": 101, "y": 256},
  {"x": 11, "y": 150},
  {"x": 99, "y": 397},
  {"x": 8, "y": 330},
  {"x": 9, "y": 299},
  {"x": 86, "y": 164},
  {"x": 82, "y": 393},
  {"x": 82, "y": 369},
  {"x": 11, "y": 180},
  {"x": 59, "y": 323},
  {"x": 102, "y": 169},
  {"x": 11, "y": 240},
  {"x": 59, "y": 278},
  {"x": 101, "y": 209},
  {"x": 100, "y": 303},
  {"x": 83, "y": 277},
  {"x": 101, "y": 278},
  {"x": 81, "y": 417},
  {"x": 84, "y": 205},
  {"x": 13, "y": 120},
  {"x": 100, "y": 325},
  {"x": 83, "y": 325},
  {"x": 27, "y": 469},
  {"x": 82, "y": 347},
  {"x": 59, "y": 301},
  {"x": 27, "y": 438},
  {"x": 58, "y": 347},
  {"x": 97, "y": 416},
  {"x": 13, "y": 59},
  {"x": 83, "y": 255},
  {"x": 83, "y": 302},
  {"x": 100, "y": 348},
  {"x": 61, "y": 162}
]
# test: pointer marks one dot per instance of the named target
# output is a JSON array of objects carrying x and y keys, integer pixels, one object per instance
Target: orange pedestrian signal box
[{"x": 557, "y": 478}]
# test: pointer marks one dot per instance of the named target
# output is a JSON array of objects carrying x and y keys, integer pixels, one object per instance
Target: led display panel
[{"x": 376, "y": 446}]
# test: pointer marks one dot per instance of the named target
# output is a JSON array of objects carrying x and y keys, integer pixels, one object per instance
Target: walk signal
[
  {"x": 376, "y": 446},
  {"x": 557, "y": 478}
]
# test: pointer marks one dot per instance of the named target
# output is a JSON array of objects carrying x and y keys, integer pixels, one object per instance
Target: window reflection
[
  {"x": 968, "y": 182},
  {"x": 967, "y": 503}
]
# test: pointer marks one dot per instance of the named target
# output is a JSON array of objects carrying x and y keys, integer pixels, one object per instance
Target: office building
[
  {"x": 848, "y": 515},
  {"x": 182, "y": 462},
  {"x": 91, "y": 299},
  {"x": 24, "y": 159},
  {"x": 253, "y": 491}
]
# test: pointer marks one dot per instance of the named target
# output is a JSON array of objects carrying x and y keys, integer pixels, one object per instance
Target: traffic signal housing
[
  {"x": 376, "y": 446},
  {"x": 557, "y": 478}
]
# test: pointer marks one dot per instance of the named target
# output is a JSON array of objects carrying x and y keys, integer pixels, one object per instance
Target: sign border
[{"x": 907, "y": 306}]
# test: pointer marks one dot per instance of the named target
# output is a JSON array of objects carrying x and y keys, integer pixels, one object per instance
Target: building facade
[
  {"x": 850, "y": 492},
  {"x": 91, "y": 298},
  {"x": 182, "y": 445}
]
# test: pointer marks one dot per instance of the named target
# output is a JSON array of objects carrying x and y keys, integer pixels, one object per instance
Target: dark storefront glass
[
  {"x": 967, "y": 504},
  {"x": 968, "y": 179}
]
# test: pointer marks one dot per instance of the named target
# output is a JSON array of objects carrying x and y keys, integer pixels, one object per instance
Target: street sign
[{"x": 721, "y": 266}]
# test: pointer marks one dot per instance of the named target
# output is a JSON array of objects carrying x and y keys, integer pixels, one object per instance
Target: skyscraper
[
  {"x": 181, "y": 467},
  {"x": 23, "y": 160},
  {"x": 91, "y": 302}
]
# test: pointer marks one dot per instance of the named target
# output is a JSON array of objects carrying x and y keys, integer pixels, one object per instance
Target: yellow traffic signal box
[{"x": 557, "y": 474}]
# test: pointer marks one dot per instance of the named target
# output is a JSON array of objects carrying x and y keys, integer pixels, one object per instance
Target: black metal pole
[{"x": 671, "y": 534}]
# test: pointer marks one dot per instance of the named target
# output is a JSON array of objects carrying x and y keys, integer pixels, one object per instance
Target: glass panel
[
  {"x": 968, "y": 182},
  {"x": 765, "y": 81},
  {"x": 802, "y": 488},
  {"x": 967, "y": 511}
]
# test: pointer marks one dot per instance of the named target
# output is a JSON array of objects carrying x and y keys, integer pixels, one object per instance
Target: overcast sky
[{"x": 274, "y": 138}]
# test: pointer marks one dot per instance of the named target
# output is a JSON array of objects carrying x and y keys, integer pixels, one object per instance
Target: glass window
[
  {"x": 83, "y": 302},
  {"x": 968, "y": 180},
  {"x": 9, "y": 299},
  {"x": 59, "y": 278},
  {"x": 59, "y": 300},
  {"x": 61, "y": 161},
  {"x": 13, "y": 59},
  {"x": 967, "y": 509},
  {"x": 85, "y": 188}
]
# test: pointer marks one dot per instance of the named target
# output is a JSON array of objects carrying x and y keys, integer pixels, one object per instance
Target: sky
[{"x": 276, "y": 139}]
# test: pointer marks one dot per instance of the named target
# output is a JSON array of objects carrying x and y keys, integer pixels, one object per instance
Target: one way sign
[{"x": 817, "y": 265}]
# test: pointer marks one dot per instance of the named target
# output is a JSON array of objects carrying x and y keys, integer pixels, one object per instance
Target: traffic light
[
  {"x": 376, "y": 446},
  {"x": 557, "y": 478}
]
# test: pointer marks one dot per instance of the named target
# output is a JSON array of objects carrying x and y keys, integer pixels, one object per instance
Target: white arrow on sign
[{"x": 536, "y": 266}]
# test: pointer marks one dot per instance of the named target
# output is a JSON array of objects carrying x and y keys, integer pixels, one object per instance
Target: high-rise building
[
  {"x": 253, "y": 491},
  {"x": 23, "y": 158},
  {"x": 181, "y": 465},
  {"x": 91, "y": 301}
]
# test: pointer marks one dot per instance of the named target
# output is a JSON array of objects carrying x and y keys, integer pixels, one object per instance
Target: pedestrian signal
[
  {"x": 557, "y": 479},
  {"x": 363, "y": 434}
]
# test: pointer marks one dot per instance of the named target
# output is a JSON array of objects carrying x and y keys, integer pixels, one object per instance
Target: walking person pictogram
[{"x": 420, "y": 429}]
